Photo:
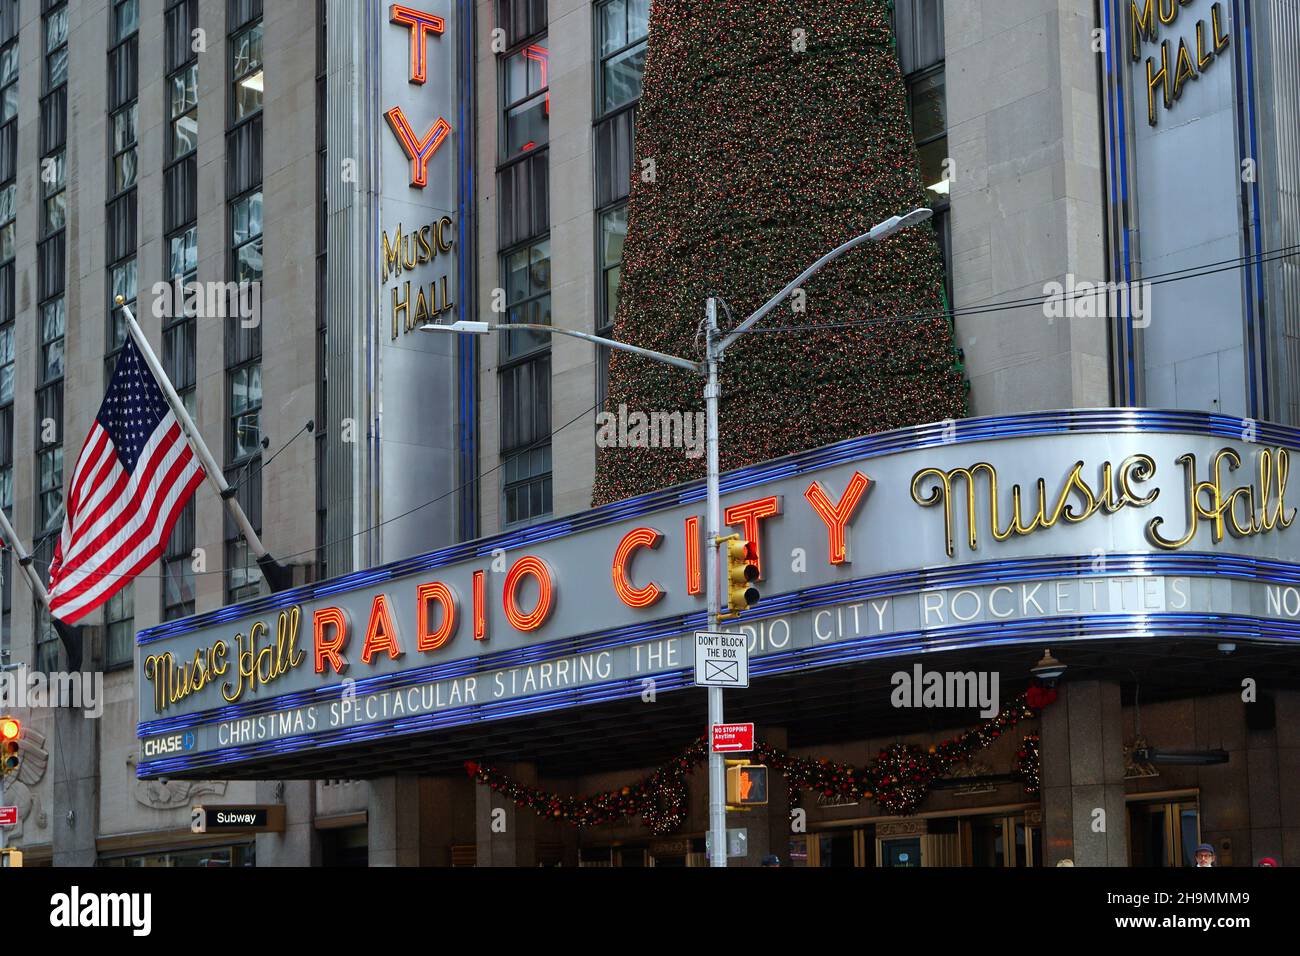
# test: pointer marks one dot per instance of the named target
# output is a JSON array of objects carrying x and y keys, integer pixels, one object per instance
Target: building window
[
  {"x": 56, "y": 47},
  {"x": 180, "y": 210},
  {"x": 246, "y": 72},
  {"x": 925, "y": 100},
  {"x": 243, "y": 344},
  {"x": 54, "y": 189},
  {"x": 122, "y": 281},
  {"x": 521, "y": 18},
  {"x": 245, "y": 411},
  {"x": 527, "y": 490},
  {"x": 525, "y": 381},
  {"x": 179, "y": 355},
  {"x": 623, "y": 28},
  {"x": 124, "y": 148},
  {"x": 527, "y": 100},
  {"x": 243, "y": 576},
  {"x": 246, "y": 237},
  {"x": 6, "y": 362},
  {"x": 524, "y": 211},
  {"x": 53, "y": 327},
  {"x": 8, "y": 215},
  {"x": 178, "y": 568},
  {"x": 119, "y": 628},
  {"x": 184, "y": 106},
  {"x": 918, "y": 26},
  {"x": 126, "y": 19},
  {"x": 528, "y": 297},
  {"x": 9, "y": 80},
  {"x": 613, "y": 231},
  {"x": 525, "y": 439},
  {"x": 49, "y": 468}
]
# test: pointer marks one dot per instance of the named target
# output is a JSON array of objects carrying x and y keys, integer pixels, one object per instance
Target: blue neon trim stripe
[{"x": 1262, "y": 316}]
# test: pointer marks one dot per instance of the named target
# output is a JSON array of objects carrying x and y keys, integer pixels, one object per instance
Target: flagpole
[
  {"x": 69, "y": 634},
  {"x": 277, "y": 576},
  {"x": 24, "y": 560}
]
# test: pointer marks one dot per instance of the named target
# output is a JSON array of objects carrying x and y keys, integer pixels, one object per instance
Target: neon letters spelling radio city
[
  {"x": 419, "y": 149},
  {"x": 438, "y": 608},
  {"x": 245, "y": 663}
]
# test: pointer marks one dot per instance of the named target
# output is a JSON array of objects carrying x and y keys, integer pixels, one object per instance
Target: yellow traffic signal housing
[
  {"x": 11, "y": 857},
  {"x": 747, "y": 785},
  {"x": 10, "y": 732},
  {"x": 742, "y": 571}
]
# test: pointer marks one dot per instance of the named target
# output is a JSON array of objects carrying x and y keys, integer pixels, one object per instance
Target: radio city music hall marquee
[{"x": 917, "y": 542}]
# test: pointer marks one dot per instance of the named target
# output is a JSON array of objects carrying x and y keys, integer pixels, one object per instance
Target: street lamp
[{"x": 714, "y": 349}]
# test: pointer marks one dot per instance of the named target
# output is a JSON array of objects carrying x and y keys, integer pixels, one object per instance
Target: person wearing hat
[
  {"x": 1267, "y": 861},
  {"x": 1205, "y": 856},
  {"x": 771, "y": 860}
]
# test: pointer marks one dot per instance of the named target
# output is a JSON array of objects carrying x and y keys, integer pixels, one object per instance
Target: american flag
[{"x": 135, "y": 474}]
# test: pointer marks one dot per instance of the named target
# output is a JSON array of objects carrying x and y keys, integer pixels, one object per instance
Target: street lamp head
[
  {"x": 920, "y": 214},
  {"x": 467, "y": 327},
  {"x": 897, "y": 223}
]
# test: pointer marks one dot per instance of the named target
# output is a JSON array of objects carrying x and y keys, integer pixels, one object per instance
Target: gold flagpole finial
[{"x": 119, "y": 299}]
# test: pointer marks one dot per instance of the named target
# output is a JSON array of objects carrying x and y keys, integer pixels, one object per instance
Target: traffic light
[
  {"x": 10, "y": 731},
  {"x": 742, "y": 572},
  {"x": 747, "y": 785}
]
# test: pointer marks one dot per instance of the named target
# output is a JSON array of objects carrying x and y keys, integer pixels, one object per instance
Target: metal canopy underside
[{"x": 835, "y": 704}]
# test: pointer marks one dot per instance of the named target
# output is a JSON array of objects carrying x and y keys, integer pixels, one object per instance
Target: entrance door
[
  {"x": 900, "y": 851},
  {"x": 1163, "y": 833}
]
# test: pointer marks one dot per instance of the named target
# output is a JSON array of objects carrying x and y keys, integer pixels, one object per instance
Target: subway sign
[{"x": 1056, "y": 526}]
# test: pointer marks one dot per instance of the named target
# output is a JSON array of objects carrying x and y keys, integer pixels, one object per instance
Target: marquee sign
[{"x": 1035, "y": 528}]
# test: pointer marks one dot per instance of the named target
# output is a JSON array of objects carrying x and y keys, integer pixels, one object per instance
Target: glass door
[{"x": 900, "y": 851}]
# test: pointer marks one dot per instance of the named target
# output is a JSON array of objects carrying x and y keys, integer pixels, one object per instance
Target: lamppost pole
[
  {"x": 714, "y": 349},
  {"x": 717, "y": 764}
]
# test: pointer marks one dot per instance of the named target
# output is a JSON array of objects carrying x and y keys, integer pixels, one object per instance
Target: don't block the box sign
[{"x": 1065, "y": 526}]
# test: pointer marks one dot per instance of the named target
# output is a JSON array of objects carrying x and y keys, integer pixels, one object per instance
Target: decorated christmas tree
[{"x": 769, "y": 132}]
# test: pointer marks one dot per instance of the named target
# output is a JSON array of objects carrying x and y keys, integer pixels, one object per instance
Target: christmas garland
[
  {"x": 899, "y": 779},
  {"x": 1029, "y": 763}
]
